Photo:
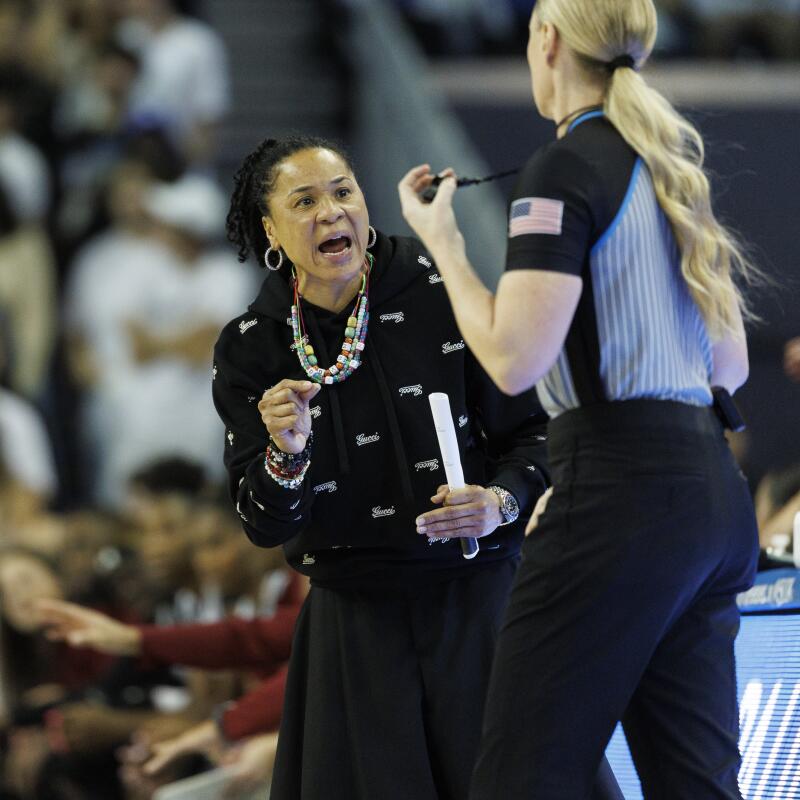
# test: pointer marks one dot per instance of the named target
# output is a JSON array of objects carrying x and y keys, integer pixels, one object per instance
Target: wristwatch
[{"x": 509, "y": 507}]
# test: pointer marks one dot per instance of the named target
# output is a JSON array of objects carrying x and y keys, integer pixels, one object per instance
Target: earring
[
  {"x": 268, "y": 263},
  {"x": 373, "y": 237}
]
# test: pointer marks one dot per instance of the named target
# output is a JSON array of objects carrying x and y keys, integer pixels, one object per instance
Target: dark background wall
[{"x": 753, "y": 155}]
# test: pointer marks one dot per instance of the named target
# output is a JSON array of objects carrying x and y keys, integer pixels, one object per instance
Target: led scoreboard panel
[{"x": 768, "y": 675}]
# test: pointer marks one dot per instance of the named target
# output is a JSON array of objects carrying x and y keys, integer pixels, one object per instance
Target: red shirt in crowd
[{"x": 261, "y": 645}]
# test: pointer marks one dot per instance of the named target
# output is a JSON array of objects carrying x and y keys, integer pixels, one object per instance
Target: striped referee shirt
[{"x": 586, "y": 205}]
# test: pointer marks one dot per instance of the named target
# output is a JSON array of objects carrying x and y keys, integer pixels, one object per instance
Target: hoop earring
[
  {"x": 267, "y": 262},
  {"x": 373, "y": 237}
]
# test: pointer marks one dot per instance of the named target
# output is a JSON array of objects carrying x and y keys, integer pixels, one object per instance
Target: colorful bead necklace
[{"x": 349, "y": 359}]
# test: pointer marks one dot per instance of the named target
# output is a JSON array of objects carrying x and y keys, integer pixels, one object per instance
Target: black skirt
[{"x": 386, "y": 689}]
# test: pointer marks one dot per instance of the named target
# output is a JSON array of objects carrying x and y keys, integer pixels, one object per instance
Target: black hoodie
[{"x": 375, "y": 459}]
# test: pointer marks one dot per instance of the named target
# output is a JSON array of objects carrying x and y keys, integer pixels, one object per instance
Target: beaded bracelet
[
  {"x": 287, "y": 482},
  {"x": 289, "y": 461},
  {"x": 284, "y": 467},
  {"x": 288, "y": 469}
]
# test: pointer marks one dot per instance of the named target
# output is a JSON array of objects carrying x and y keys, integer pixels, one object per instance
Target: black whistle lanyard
[{"x": 429, "y": 193}]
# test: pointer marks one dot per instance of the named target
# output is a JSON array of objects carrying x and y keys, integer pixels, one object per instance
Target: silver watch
[{"x": 509, "y": 507}]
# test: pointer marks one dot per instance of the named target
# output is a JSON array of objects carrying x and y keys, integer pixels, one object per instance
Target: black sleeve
[
  {"x": 515, "y": 431},
  {"x": 553, "y": 212},
  {"x": 270, "y": 514}
]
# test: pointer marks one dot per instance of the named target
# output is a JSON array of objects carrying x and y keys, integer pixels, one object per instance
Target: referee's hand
[
  {"x": 434, "y": 223},
  {"x": 472, "y": 512}
]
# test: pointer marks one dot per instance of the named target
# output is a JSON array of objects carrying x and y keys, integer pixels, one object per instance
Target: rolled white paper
[{"x": 451, "y": 458}]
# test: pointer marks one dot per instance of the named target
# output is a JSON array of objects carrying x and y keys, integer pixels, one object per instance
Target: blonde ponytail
[
  {"x": 597, "y": 32},
  {"x": 673, "y": 150}
]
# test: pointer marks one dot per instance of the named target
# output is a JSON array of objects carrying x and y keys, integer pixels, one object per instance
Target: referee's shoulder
[
  {"x": 554, "y": 166},
  {"x": 587, "y": 156},
  {"x": 597, "y": 140}
]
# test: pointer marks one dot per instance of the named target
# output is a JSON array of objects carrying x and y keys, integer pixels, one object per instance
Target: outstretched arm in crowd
[
  {"x": 250, "y": 762},
  {"x": 262, "y": 643}
]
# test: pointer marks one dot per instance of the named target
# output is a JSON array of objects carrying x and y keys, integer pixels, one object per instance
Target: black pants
[
  {"x": 624, "y": 608},
  {"x": 386, "y": 690}
]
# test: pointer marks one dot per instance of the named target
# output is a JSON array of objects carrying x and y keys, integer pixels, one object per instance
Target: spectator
[
  {"x": 28, "y": 480},
  {"x": 230, "y": 577},
  {"x": 735, "y": 28},
  {"x": 777, "y": 501},
  {"x": 677, "y": 29},
  {"x": 98, "y": 104},
  {"x": 161, "y": 505},
  {"x": 249, "y": 762},
  {"x": 261, "y": 645},
  {"x": 96, "y": 566},
  {"x": 196, "y": 566},
  {"x": 791, "y": 359},
  {"x": 90, "y": 124},
  {"x": 104, "y": 289},
  {"x": 27, "y": 267},
  {"x": 172, "y": 522},
  {"x": 35, "y": 672},
  {"x": 30, "y": 75},
  {"x": 23, "y": 169},
  {"x": 142, "y": 316},
  {"x": 170, "y": 333},
  {"x": 184, "y": 80},
  {"x": 461, "y": 27},
  {"x": 60, "y": 37}
]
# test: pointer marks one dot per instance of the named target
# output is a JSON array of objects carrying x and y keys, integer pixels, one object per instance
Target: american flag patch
[{"x": 535, "y": 215}]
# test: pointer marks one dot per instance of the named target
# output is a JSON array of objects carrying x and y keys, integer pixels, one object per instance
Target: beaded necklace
[{"x": 349, "y": 359}]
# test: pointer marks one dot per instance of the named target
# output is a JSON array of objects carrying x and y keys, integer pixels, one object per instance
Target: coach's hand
[
  {"x": 285, "y": 412},
  {"x": 473, "y": 511}
]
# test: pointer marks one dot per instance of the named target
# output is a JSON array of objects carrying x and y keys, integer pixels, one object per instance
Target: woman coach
[
  {"x": 331, "y": 452},
  {"x": 619, "y": 303}
]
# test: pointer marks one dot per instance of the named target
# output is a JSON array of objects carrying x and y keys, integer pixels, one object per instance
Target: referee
[{"x": 624, "y": 606}]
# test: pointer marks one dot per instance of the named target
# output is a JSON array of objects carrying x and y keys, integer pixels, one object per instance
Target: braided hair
[{"x": 253, "y": 184}]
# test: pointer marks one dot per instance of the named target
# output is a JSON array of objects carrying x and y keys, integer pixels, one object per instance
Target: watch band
[{"x": 509, "y": 507}]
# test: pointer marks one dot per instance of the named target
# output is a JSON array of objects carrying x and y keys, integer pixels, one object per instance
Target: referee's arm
[{"x": 537, "y": 296}]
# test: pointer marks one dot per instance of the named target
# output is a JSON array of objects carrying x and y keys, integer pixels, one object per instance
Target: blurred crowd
[
  {"x": 723, "y": 29},
  {"x": 169, "y": 656},
  {"x": 114, "y": 283},
  {"x": 111, "y": 221}
]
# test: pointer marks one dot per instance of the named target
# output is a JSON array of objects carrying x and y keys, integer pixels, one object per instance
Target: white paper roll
[{"x": 451, "y": 458}]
